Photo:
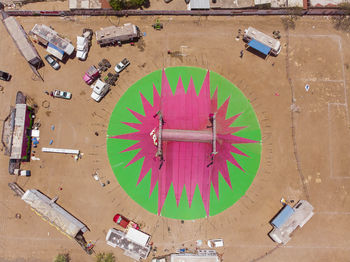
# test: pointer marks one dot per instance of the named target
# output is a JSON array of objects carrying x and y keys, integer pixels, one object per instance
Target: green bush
[
  {"x": 128, "y": 4},
  {"x": 62, "y": 258},
  {"x": 103, "y": 257}
]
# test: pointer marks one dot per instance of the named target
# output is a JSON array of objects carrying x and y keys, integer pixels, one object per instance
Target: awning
[
  {"x": 282, "y": 217},
  {"x": 260, "y": 47},
  {"x": 54, "y": 50}
]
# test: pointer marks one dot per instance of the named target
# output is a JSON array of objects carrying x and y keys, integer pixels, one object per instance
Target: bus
[{"x": 254, "y": 34}]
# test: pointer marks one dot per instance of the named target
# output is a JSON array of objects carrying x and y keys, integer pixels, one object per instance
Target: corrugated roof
[
  {"x": 199, "y": 4},
  {"x": 18, "y": 132},
  {"x": 53, "y": 213}
]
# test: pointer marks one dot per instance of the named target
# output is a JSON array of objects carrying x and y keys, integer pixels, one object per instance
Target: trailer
[
  {"x": 134, "y": 242},
  {"x": 202, "y": 255},
  {"x": 55, "y": 215},
  {"x": 56, "y": 45},
  {"x": 117, "y": 34},
  {"x": 60, "y": 150},
  {"x": 289, "y": 219},
  {"x": 261, "y": 42}
]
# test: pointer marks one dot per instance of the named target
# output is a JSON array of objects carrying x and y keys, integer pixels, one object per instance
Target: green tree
[
  {"x": 117, "y": 4},
  {"x": 103, "y": 257},
  {"x": 62, "y": 258},
  {"x": 128, "y": 4}
]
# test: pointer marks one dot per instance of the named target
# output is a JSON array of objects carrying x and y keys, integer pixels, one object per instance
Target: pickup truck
[
  {"x": 62, "y": 94},
  {"x": 122, "y": 65},
  {"x": 124, "y": 222}
]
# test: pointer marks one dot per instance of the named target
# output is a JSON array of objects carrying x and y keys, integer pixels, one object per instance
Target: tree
[
  {"x": 128, "y": 4},
  {"x": 103, "y": 257},
  {"x": 117, "y": 4},
  {"x": 62, "y": 258}
]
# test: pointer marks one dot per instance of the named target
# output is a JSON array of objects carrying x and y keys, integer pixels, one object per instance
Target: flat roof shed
[{"x": 199, "y": 4}]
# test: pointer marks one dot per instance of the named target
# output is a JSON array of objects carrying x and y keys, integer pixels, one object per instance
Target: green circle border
[{"x": 128, "y": 176}]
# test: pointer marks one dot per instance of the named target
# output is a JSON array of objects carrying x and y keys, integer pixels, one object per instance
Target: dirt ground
[{"x": 305, "y": 139}]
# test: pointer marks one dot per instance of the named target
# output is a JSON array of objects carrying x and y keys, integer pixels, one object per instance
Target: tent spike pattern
[{"x": 186, "y": 165}]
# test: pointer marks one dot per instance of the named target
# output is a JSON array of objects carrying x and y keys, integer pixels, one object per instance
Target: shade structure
[
  {"x": 189, "y": 182},
  {"x": 259, "y": 47}
]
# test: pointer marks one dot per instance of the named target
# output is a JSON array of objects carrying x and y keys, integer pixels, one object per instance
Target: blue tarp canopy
[
  {"x": 282, "y": 217},
  {"x": 259, "y": 46}
]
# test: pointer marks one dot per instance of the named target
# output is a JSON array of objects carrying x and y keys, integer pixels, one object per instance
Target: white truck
[
  {"x": 82, "y": 47},
  {"x": 99, "y": 90},
  {"x": 84, "y": 43}
]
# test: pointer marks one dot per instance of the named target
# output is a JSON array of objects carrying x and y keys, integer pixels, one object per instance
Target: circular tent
[{"x": 184, "y": 143}]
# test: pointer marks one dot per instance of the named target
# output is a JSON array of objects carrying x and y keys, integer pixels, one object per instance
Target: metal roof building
[
  {"x": 199, "y": 4},
  {"x": 53, "y": 213}
]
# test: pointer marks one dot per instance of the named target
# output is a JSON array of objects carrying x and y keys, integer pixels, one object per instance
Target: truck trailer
[{"x": 117, "y": 34}]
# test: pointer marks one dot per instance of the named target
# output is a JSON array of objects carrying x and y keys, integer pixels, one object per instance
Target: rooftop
[
  {"x": 21, "y": 39},
  {"x": 116, "y": 238},
  {"x": 18, "y": 133},
  {"x": 53, "y": 213},
  {"x": 112, "y": 31},
  {"x": 52, "y": 37}
]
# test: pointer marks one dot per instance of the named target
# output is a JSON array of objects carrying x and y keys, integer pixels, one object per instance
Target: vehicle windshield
[
  {"x": 49, "y": 59},
  {"x": 4, "y": 74},
  {"x": 64, "y": 93},
  {"x": 119, "y": 220}
]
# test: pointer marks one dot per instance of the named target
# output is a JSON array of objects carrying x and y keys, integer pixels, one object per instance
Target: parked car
[
  {"x": 124, "y": 222},
  {"x": 122, "y": 65},
  {"x": 62, "y": 94},
  {"x": 52, "y": 62},
  {"x": 5, "y": 76}
]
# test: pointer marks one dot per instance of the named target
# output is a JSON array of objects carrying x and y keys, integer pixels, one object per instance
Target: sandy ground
[{"x": 314, "y": 163}]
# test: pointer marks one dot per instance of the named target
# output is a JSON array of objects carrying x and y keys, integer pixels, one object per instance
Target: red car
[{"x": 124, "y": 222}]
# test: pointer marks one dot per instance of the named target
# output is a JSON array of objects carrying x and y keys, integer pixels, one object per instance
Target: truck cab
[
  {"x": 99, "y": 90},
  {"x": 91, "y": 75},
  {"x": 82, "y": 47}
]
